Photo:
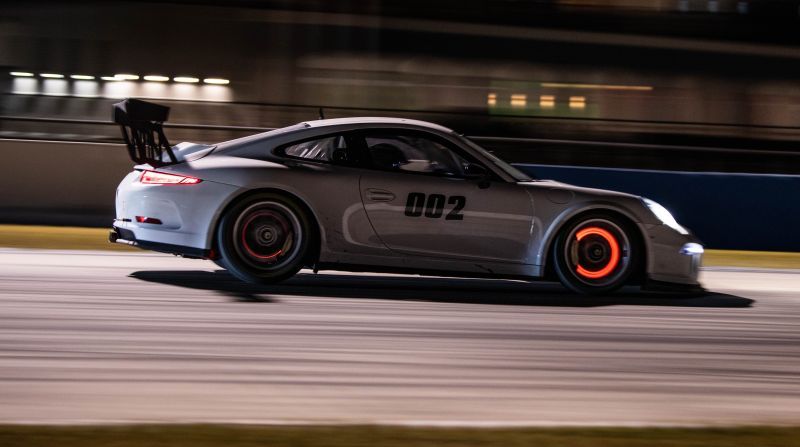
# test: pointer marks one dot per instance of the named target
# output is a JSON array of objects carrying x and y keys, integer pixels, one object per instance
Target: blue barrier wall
[{"x": 726, "y": 211}]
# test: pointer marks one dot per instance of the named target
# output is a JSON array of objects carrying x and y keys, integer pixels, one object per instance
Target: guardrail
[
  {"x": 312, "y": 111},
  {"x": 111, "y": 123},
  {"x": 477, "y": 138}
]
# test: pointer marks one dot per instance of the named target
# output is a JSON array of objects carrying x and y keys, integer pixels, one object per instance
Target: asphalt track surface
[{"x": 107, "y": 337}]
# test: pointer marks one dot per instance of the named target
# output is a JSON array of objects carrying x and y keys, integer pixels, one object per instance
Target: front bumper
[{"x": 673, "y": 258}]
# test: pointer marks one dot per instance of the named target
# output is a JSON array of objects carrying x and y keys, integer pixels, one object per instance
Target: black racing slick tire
[
  {"x": 266, "y": 238},
  {"x": 596, "y": 253}
]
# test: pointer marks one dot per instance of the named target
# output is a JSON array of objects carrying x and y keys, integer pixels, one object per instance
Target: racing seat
[{"x": 340, "y": 154}]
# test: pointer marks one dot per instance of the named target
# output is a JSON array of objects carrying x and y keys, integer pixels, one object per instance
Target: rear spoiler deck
[{"x": 142, "y": 125}]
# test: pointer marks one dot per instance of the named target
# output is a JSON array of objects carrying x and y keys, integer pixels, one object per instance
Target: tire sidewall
[
  {"x": 570, "y": 279},
  {"x": 230, "y": 258}
]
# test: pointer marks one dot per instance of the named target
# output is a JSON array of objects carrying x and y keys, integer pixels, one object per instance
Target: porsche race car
[{"x": 384, "y": 195}]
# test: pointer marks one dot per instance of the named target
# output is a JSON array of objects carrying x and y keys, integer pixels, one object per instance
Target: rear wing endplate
[{"x": 142, "y": 126}]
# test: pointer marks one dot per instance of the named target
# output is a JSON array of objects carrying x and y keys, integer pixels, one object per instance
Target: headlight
[
  {"x": 664, "y": 216},
  {"x": 692, "y": 248}
]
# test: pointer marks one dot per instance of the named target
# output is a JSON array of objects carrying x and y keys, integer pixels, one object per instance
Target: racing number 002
[{"x": 432, "y": 207}]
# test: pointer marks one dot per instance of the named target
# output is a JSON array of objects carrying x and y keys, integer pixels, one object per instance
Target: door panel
[{"x": 448, "y": 217}]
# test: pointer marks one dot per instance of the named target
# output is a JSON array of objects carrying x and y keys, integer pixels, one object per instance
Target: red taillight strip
[{"x": 163, "y": 178}]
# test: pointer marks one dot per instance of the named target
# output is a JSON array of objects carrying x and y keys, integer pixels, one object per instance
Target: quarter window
[{"x": 329, "y": 149}]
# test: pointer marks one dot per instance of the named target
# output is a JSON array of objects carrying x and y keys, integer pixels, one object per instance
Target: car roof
[
  {"x": 372, "y": 120},
  {"x": 349, "y": 123}
]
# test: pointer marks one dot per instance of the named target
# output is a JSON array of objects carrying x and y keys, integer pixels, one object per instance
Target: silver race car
[{"x": 384, "y": 195}]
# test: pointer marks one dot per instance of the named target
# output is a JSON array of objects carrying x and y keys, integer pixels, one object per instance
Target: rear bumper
[
  {"x": 160, "y": 216},
  {"x": 123, "y": 236}
]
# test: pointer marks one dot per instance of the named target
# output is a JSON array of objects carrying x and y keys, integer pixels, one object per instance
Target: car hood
[{"x": 577, "y": 190}]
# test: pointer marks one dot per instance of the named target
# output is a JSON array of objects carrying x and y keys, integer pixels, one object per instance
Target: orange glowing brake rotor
[{"x": 614, "y": 258}]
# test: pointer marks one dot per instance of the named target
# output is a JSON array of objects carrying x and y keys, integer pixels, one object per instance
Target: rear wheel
[
  {"x": 265, "y": 238},
  {"x": 596, "y": 254}
]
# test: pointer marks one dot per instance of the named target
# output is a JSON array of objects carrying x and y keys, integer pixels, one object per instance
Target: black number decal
[
  {"x": 434, "y": 207},
  {"x": 414, "y": 204},
  {"x": 455, "y": 213}
]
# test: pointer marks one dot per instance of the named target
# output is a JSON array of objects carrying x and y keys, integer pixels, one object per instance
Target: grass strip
[
  {"x": 390, "y": 436},
  {"x": 79, "y": 238},
  {"x": 57, "y": 238},
  {"x": 759, "y": 259}
]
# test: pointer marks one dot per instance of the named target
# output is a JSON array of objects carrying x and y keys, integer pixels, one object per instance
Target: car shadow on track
[{"x": 442, "y": 290}]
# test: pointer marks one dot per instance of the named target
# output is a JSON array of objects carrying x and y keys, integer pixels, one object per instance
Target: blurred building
[{"x": 683, "y": 84}]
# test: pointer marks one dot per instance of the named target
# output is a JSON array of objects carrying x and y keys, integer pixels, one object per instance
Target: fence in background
[
  {"x": 726, "y": 211},
  {"x": 60, "y": 183}
]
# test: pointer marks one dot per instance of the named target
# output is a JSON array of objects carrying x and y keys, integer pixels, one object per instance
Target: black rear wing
[{"x": 142, "y": 126}]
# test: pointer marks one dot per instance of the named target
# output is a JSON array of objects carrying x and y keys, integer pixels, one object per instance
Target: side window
[
  {"x": 413, "y": 153},
  {"x": 329, "y": 149}
]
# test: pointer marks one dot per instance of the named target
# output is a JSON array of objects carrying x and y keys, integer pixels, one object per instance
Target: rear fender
[{"x": 244, "y": 193}]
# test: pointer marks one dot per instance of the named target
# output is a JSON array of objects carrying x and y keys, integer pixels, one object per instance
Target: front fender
[{"x": 553, "y": 223}]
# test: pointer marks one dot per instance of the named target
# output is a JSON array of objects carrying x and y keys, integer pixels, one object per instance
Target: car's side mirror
[{"x": 477, "y": 172}]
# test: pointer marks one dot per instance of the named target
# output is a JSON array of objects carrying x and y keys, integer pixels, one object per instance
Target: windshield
[{"x": 515, "y": 173}]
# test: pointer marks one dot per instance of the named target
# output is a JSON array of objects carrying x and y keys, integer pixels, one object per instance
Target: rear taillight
[{"x": 162, "y": 178}]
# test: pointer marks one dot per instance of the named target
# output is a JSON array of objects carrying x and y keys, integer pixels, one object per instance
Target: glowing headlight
[
  {"x": 664, "y": 216},
  {"x": 692, "y": 248}
]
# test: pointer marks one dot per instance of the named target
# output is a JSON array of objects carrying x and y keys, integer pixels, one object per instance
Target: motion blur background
[{"x": 695, "y": 103}]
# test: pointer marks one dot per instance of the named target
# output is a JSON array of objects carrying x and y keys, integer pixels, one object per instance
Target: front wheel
[
  {"x": 596, "y": 254},
  {"x": 265, "y": 238}
]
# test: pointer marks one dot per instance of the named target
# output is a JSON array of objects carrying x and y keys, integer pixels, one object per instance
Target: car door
[
  {"x": 324, "y": 171},
  {"x": 421, "y": 200}
]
